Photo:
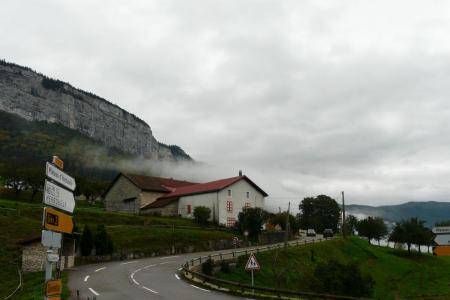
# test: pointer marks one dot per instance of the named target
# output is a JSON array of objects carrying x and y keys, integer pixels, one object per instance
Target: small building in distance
[{"x": 168, "y": 197}]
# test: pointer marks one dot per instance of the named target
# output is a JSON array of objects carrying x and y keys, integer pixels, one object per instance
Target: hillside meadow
[{"x": 396, "y": 274}]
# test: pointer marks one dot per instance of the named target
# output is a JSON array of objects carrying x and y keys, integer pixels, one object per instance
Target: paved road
[{"x": 149, "y": 278}]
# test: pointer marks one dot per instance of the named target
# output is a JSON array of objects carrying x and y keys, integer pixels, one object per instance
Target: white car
[{"x": 310, "y": 232}]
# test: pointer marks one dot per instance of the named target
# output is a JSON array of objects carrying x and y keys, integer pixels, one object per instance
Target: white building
[{"x": 225, "y": 197}]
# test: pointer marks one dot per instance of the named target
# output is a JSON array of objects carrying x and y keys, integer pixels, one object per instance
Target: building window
[
  {"x": 229, "y": 193},
  {"x": 188, "y": 209},
  {"x": 247, "y": 205},
  {"x": 229, "y": 206},
  {"x": 247, "y": 195},
  {"x": 230, "y": 222}
]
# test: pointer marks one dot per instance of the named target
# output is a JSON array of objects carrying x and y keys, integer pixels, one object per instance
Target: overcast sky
[{"x": 306, "y": 97}]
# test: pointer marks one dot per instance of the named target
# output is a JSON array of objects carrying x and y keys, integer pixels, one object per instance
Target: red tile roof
[
  {"x": 157, "y": 184},
  {"x": 200, "y": 188}
]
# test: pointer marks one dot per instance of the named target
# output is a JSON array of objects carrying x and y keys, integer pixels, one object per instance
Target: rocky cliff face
[{"x": 38, "y": 98}]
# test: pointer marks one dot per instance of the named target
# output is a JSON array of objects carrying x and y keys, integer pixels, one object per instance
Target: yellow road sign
[
  {"x": 53, "y": 287},
  {"x": 441, "y": 250},
  {"x": 57, "y": 221},
  {"x": 58, "y": 162}
]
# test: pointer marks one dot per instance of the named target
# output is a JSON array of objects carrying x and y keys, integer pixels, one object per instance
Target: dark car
[{"x": 328, "y": 233}]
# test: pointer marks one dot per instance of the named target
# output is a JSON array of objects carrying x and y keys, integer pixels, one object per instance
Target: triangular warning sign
[{"x": 252, "y": 263}]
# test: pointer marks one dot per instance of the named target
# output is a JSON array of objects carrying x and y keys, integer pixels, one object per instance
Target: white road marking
[
  {"x": 130, "y": 262},
  {"x": 177, "y": 277},
  {"x": 180, "y": 269},
  {"x": 168, "y": 262},
  {"x": 135, "y": 282},
  {"x": 86, "y": 278},
  {"x": 100, "y": 269},
  {"x": 167, "y": 257},
  {"x": 146, "y": 267},
  {"x": 94, "y": 292},
  {"x": 150, "y": 290},
  {"x": 199, "y": 288}
]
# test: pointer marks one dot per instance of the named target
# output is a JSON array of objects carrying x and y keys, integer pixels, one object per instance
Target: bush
[
  {"x": 202, "y": 214},
  {"x": 103, "y": 243},
  {"x": 337, "y": 278},
  {"x": 225, "y": 266},
  {"x": 207, "y": 267}
]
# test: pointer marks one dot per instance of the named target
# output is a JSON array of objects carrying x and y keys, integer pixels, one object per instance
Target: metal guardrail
[{"x": 246, "y": 289}]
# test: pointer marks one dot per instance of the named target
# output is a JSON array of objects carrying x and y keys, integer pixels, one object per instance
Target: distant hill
[{"x": 431, "y": 211}]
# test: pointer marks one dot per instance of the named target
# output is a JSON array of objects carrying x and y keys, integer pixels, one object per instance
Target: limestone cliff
[{"x": 36, "y": 97}]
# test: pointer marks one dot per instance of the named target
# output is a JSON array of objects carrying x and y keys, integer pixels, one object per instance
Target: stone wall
[
  {"x": 33, "y": 257},
  {"x": 22, "y": 92}
]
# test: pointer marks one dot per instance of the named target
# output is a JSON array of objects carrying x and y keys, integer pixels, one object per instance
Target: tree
[
  {"x": 351, "y": 222},
  {"x": 34, "y": 178},
  {"x": 252, "y": 219},
  {"x": 411, "y": 231},
  {"x": 372, "y": 228},
  {"x": 87, "y": 241},
  {"x": 319, "y": 213},
  {"x": 103, "y": 242},
  {"x": 280, "y": 219},
  {"x": 202, "y": 214}
]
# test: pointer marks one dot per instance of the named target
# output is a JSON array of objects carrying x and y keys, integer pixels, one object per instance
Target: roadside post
[
  {"x": 235, "y": 242},
  {"x": 252, "y": 265},
  {"x": 442, "y": 240},
  {"x": 56, "y": 220}
]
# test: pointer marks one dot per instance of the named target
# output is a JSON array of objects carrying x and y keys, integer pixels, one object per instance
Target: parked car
[
  {"x": 310, "y": 232},
  {"x": 328, "y": 233}
]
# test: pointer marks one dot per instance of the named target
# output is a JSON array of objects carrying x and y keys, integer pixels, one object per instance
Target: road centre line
[
  {"x": 130, "y": 262},
  {"x": 86, "y": 278},
  {"x": 177, "y": 277},
  {"x": 149, "y": 266},
  {"x": 94, "y": 292},
  {"x": 100, "y": 269},
  {"x": 167, "y": 257},
  {"x": 154, "y": 292},
  {"x": 168, "y": 262},
  {"x": 199, "y": 288}
]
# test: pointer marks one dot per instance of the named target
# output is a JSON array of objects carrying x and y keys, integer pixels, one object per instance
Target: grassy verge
[{"x": 397, "y": 275}]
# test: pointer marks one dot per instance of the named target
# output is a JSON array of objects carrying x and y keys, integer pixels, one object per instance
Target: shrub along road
[{"x": 149, "y": 278}]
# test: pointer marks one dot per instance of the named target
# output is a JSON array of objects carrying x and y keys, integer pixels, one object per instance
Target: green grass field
[
  {"x": 397, "y": 275},
  {"x": 21, "y": 220}
]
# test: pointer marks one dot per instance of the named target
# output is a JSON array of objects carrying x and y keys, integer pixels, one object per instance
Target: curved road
[{"x": 147, "y": 278}]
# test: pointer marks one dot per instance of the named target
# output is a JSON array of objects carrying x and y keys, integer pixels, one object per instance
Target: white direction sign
[
  {"x": 60, "y": 177},
  {"x": 252, "y": 263},
  {"x": 441, "y": 230},
  {"x": 58, "y": 197},
  {"x": 51, "y": 239},
  {"x": 442, "y": 239}
]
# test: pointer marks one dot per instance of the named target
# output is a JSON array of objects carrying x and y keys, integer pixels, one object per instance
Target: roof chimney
[{"x": 240, "y": 172}]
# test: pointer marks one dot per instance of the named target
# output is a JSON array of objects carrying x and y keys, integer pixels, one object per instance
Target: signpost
[
  {"x": 53, "y": 287},
  {"x": 442, "y": 239},
  {"x": 57, "y": 221},
  {"x": 60, "y": 177},
  {"x": 441, "y": 230},
  {"x": 51, "y": 239},
  {"x": 252, "y": 264},
  {"x": 441, "y": 250},
  {"x": 58, "y": 195}
]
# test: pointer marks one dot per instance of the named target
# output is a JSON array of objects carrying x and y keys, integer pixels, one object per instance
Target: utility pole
[
  {"x": 287, "y": 222},
  {"x": 343, "y": 215}
]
